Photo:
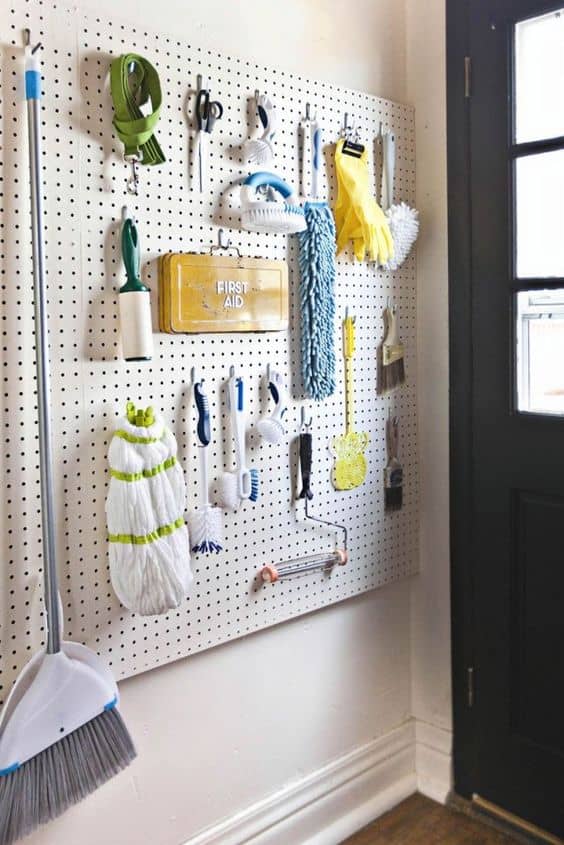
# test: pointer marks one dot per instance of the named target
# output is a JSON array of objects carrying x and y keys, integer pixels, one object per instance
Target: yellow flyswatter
[{"x": 348, "y": 449}]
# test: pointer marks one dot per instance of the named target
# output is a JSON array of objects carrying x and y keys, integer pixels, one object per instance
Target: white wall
[
  {"x": 430, "y": 617},
  {"x": 224, "y": 728}
]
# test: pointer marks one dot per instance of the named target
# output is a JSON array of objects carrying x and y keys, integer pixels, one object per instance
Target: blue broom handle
[{"x": 51, "y": 592}]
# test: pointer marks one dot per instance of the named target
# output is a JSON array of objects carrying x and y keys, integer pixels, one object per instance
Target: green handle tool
[{"x": 134, "y": 300}]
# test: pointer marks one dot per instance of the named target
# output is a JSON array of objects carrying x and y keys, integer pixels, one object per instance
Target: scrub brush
[
  {"x": 402, "y": 219},
  {"x": 242, "y": 482},
  {"x": 268, "y": 204},
  {"x": 259, "y": 151},
  {"x": 271, "y": 428},
  {"x": 205, "y": 523}
]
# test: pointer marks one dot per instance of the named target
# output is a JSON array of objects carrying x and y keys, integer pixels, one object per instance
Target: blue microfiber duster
[{"x": 317, "y": 300}]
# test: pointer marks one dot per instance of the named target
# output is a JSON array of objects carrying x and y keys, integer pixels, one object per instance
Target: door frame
[{"x": 460, "y": 401}]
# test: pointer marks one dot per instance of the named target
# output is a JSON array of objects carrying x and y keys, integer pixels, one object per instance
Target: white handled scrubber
[{"x": 271, "y": 428}]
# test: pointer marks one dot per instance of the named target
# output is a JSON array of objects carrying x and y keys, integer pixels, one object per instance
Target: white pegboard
[{"x": 84, "y": 187}]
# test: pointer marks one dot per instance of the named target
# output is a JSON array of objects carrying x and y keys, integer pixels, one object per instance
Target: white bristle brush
[
  {"x": 271, "y": 428},
  {"x": 260, "y": 151},
  {"x": 402, "y": 219},
  {"x": 242, "y": 482}
]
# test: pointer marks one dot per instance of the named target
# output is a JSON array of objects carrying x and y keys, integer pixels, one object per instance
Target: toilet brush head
[
  {"x": 206, "y": 529},
  {"x": 271, "y": 430}
]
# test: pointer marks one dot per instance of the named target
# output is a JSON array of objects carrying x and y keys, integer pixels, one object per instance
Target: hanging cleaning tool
[
  {"x": 205, "y": 523},
  {"x": 242, "y": 483},
  {"x": 358, "y": 217},
  {"x": 268, "y": 204},
  {"x": 324, "y": 561},
  {"x": 134, "y": 83},
  {"x": 272, "y": 428},
  {"x": 208, "y": 111},
  {"x": 348, "y": 449},
  {"x": 61, "y": 735},
  {"x": 310, "y": 134},
  {"x": 149, "y": 548},
  {"x": 134, "y": 299},
  {"x": 391, "y": 357},
  {"x": 259, "y": 150},
  {"x": 393, "y": 473},
  {"x": 402, "y": 219},
  {"x": 317, "y": 277}
]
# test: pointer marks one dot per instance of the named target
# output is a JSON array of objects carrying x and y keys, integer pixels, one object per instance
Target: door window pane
[
  {"x": 539, "y": 185},
  {"x": 540, "y": 351},
  {"x": 539, "y": 77}
]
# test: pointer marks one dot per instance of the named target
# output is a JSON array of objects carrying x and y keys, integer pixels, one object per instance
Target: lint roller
[{"x": 134, "y": 300}]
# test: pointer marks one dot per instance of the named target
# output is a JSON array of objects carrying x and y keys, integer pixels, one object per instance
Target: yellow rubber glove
[{"x": 358, "y": 217}]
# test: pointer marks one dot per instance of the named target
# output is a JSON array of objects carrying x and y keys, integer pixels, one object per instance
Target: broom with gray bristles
[{"x": 61, "y": 735}]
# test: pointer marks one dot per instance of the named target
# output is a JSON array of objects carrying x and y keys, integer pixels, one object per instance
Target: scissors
[{"x": 207, "y": 112}]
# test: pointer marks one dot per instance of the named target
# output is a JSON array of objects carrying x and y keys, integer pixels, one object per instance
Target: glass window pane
[
  {"x": 539, "y": 77},
  {"x": 539, "y": 185},
  {"x": 540, "y": 351}
]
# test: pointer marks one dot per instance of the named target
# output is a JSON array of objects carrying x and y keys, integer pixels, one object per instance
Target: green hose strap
[
  {"x": 133, "y": 82},
  {"x": 145, "y": 473},
  {"x": 152, "y": 537}
]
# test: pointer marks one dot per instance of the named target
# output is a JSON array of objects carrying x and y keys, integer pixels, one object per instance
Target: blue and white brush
[
  {"x": 242, "y": 483},
  {"x": 205, "y": 523},
  {"x": 272, "y": 428}
]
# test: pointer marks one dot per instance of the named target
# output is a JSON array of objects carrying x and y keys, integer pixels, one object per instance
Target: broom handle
[
  {"x": 51, "y": 592},
  {"x": 349, "y": 395}
]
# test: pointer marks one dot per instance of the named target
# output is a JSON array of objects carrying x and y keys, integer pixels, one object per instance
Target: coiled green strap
[{"x": 133, "y": 82}]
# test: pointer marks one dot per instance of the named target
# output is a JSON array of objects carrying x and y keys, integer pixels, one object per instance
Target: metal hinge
[
  {"x": 467, "y": 76},
  {"x": 470, "y": 685}
]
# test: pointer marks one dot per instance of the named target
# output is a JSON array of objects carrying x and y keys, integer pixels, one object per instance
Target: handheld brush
[
  {"x": 242, "y": 482},
  {"x": 268, "y": 204},
  {"x": 205, "y": 523},
  {"x": 260, "y": 151},
  {"x": 271, "y": 428}
]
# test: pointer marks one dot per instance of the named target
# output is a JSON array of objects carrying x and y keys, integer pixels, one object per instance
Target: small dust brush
[
  {"x": 204, "y": 523},
  {"x": 391, "y": 355},
  {"x": 402, "y": 219},
  {"x": 260, "y": 151},
  {"x": 393, "y": 473},
  {"x": 271, "y": 428}
]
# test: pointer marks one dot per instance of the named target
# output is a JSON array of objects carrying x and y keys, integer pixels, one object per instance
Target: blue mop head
[{"x": 317, "y": 300}]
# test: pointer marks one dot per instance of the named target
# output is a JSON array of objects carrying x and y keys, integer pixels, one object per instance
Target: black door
[{"x": 506, "y": 219}]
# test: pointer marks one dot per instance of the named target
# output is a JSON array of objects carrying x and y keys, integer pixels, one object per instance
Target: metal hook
[
  {"x": 132, "y": 185},
  {"x": 224, "y": 245},
  {"x": 27, "y": 41},
  {"x": 305, "y": 424}
]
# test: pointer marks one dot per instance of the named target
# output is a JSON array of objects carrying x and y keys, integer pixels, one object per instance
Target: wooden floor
[{"x": 419, "y": 821}]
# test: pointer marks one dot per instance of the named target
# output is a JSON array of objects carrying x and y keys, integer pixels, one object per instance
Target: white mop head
[
  {"x": 149, "y": 544},
  {"x": 404, "y": 227}
]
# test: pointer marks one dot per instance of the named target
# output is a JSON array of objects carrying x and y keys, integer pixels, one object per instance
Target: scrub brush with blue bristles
[{"x": 242, "y": 482}]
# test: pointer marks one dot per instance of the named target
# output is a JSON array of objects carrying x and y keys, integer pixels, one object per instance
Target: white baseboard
[
  {"x": 433, "y": 761},
  {"x": 330, "y": 804}
]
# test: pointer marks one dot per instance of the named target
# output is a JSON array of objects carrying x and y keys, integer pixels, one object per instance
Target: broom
[{"x": 61, "y": 735}]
